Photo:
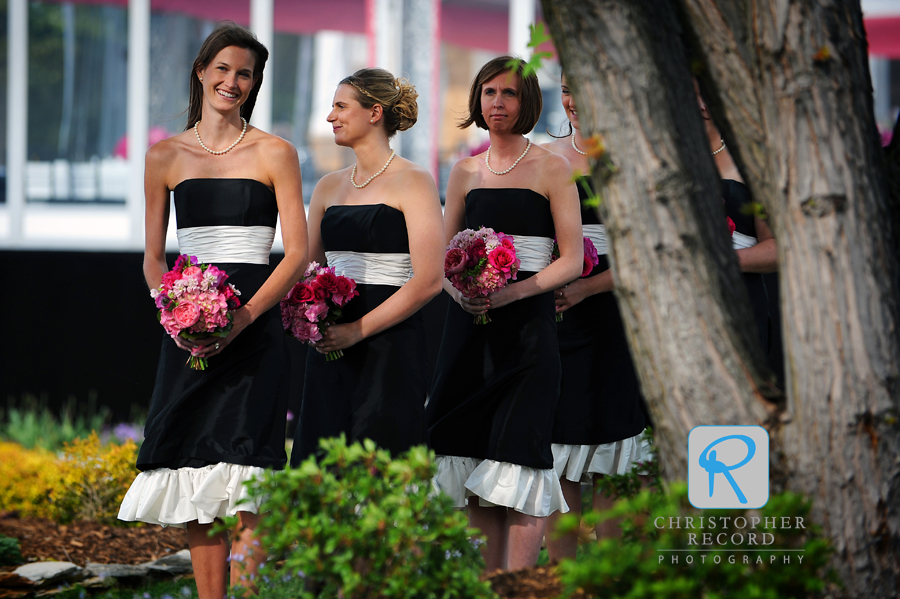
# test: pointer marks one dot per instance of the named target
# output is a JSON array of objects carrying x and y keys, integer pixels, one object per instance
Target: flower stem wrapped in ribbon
[
  {"x": 194, "y": 302},
  {"x": 315, "y": 301},
  {"x": 479, "y": 263},
  {"x": 591, "y": 259}
]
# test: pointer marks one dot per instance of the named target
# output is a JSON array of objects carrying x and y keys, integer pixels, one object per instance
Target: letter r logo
[{"x": 728, "y": 467}]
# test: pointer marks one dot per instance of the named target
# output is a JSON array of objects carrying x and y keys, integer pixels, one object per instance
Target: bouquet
[
  {"x": 480, "y": 262},
  {"x": 194, "y": 301},
  {"x": 315, "y": 301},
  {"x": 591, "y": 259}
]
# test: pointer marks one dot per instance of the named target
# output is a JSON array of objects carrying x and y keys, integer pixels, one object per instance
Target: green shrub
[
  {"x": 32, "y": 424},
  {"x": 10, "y": 555},
  {"x": 359, "y": 524},
  {"x": 631, "y": 567}
]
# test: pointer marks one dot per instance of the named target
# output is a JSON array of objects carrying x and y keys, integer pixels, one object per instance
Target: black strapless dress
[
  {"x": 377, "y": 389},
  {"x": 209, "y": 430},
  {"x": 600, "y": 416},
  {"x": 738, "y": 208},
  {"x": 496, "y": 386}
]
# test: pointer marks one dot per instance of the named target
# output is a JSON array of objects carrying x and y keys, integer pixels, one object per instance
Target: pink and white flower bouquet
[
  {"x": 591, "y": 259},
  {"x": 195, "y": 301},
  {"x": 480, "y": 262},
  {"x": 316, "y": 301}
]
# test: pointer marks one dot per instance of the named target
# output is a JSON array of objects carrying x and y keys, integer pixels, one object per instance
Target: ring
[{"x": 217, "y": 345}]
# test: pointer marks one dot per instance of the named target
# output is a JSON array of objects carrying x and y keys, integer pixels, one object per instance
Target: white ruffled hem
[
  {"x": 528, "y": 490},
  {"x": 578, "y": 463},
  {"x": 175, "y": 497}
]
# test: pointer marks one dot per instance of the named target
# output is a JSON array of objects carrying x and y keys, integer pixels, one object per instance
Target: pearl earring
[{"x": 201, "y": 78}]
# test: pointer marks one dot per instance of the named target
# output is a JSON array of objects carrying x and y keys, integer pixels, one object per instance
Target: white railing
[{"x": 103, "y": 180}]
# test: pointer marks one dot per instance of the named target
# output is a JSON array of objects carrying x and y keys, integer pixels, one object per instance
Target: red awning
[
  {"x": 884, "y": 36},
  {"x": 463, "y": 23}
]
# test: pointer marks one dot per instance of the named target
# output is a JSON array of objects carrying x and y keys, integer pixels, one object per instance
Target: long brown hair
[{"x": 226, "y": 34}]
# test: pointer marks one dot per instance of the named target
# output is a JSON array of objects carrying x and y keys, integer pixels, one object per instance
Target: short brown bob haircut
[{"x": 530, "y": 100}]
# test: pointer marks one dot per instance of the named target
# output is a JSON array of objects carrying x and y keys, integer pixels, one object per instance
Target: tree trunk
[
  {"x": 683, "y": 300},
  {"x": 807, "y": 143},
  {"x": 788, "y": 85}
]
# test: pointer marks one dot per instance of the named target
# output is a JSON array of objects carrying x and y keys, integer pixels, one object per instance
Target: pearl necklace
[
  {"x": 369, "y": 180},
  {"x": 228, "y": 149},
  {"x": 720, "y": 149},
  {"x": 487, "y": 158},
  {"x": 576, "y": 147}
]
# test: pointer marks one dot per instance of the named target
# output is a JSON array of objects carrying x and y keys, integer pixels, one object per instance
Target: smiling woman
[{"x": 209, "y": 431}]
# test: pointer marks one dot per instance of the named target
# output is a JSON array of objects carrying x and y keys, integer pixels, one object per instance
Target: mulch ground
[{"x": 83, "y": 542}]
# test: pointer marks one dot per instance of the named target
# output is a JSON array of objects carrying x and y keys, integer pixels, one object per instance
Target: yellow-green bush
[
  {"x": 95, "y": 478},
  {"x": 87, "y": 481},
  {"x": 27, "y": 476}
]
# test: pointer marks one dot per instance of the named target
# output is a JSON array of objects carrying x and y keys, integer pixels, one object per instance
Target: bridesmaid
[
  {"x": 600, "y": 416},
  {"x": 496, "y": 385},
  {"x": 752, "y": 239},
  {"x": 379, "y": 223},
  {"x": 208, "y": 432}
]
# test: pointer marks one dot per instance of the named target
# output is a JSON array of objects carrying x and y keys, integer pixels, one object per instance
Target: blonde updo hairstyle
[{"x": 397, "y": 96}]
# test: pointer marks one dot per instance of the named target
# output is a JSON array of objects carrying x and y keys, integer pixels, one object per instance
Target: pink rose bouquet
[
  {"x": 315, "y": 301},
  {"x": 480, "y": 262},
  {"x": 195, "y": 301},
  {"x": 590, "y": 260}
]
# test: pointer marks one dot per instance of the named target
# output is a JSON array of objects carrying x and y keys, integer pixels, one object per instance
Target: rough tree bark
[
  {"x": 677, "y": 281},
  {"x": 788, "y": 84},
  {"x": 807, "y": 141}
]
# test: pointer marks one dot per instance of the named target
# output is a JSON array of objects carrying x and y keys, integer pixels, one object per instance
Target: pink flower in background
[{"x": 154, "y": 135}]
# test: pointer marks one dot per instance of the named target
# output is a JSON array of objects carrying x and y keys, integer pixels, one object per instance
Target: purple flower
[{"x": 128, "y": 432}]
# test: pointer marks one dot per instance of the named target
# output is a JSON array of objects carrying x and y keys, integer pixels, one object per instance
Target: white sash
[
  {"x": 369, "y": 268},
  {"x": 739, "y": 241},
  {"x": 245, "y": 245},
  {"x": 597, "y": 235},
  {"x": 533, "y": 252}
]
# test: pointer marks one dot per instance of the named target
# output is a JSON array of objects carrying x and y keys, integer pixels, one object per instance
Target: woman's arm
[
  {"x": 156, "y": 211},
  {"x": 317, "y": 207},
  {"x": 575, "y": 292},
  {"x": 455, "y": 214},
  {"x": 283, "y": 169},
  {"x": 566, "y": 210},
  {"x": 422, "y": 211},
  {"x": 762, "y": 257}
]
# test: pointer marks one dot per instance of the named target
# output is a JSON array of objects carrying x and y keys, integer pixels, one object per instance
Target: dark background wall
[{"x": 77, "y": 325}]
